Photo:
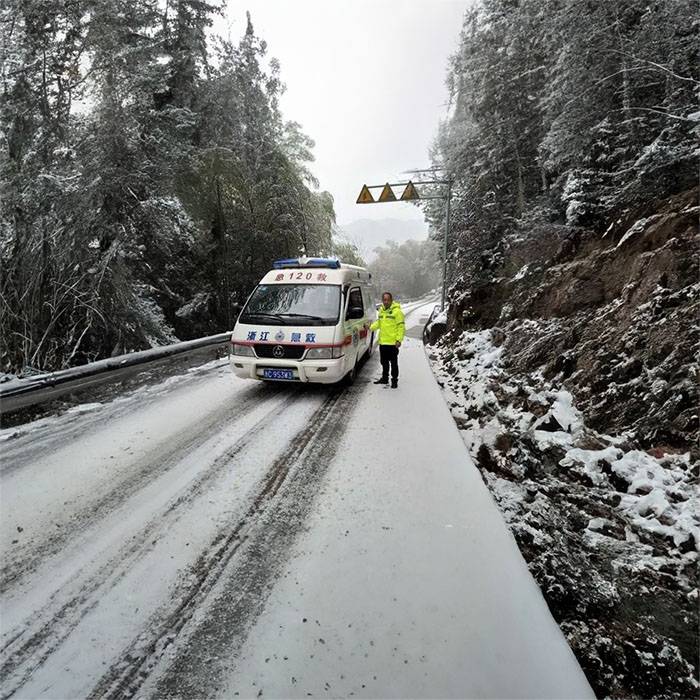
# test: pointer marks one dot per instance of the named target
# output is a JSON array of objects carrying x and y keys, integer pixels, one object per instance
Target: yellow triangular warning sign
[
  {"x": 365, "y": 196},
  {"x": 410, "y": 192},
  {"x": 387, "y": 194}
]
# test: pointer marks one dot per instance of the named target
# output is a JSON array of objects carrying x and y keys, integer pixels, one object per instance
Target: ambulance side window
[
  {"x": 354, "y": 302},
  {"x": 368, "y": 299}
]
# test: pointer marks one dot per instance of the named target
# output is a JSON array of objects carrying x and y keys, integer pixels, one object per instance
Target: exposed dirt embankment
[
  {"x": 612, "y": 319},
  {"x": 569, "y": 366}
]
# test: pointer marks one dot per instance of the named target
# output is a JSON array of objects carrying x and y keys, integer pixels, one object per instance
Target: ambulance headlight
[
  {"x": 245, "y": 350},
  {"x": 319, "y": 354},
  {"x": 324, "y": 353}
]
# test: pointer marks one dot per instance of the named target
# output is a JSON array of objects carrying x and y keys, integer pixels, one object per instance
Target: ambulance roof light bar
[{"x": 303, "y": 261}]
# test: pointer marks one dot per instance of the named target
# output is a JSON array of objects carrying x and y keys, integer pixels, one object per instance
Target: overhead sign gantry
[
  {"x": 411, "y": 193},
  {"x": 388, "y": 195}
]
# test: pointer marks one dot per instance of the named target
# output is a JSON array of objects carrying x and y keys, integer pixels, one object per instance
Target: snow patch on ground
[
  {"x": 84, "y": 407},
  {"x": 136, "y": 395},
  {"x": 660, "y": 490},
  {"x": 521, "y": 273}
]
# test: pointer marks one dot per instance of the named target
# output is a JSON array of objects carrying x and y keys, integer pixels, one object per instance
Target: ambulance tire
[
  {"x": 351, "y": 376},
  {"x": 370, "y": 348}
]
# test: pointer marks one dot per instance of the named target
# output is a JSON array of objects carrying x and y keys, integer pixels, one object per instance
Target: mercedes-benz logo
[{"x": 278, "y": 351}]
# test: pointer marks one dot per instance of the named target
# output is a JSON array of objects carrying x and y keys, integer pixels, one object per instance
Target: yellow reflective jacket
[{"x": 390, "y": 323}]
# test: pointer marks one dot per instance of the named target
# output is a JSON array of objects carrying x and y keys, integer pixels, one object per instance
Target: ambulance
[{"x": 308, "y": 320}]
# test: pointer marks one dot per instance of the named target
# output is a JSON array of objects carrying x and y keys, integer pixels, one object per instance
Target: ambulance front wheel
[
  {"x": 351, "y": 376},
  {"x": 370, "y": 348}
]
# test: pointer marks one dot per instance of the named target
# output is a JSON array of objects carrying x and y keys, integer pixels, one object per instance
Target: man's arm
[{"x": 400, "y": 326}]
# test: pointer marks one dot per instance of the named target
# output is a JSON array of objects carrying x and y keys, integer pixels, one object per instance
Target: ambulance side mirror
[{"x": 355, "y": 312}]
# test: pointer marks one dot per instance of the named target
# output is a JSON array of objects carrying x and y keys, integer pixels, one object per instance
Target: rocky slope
[{"x": 569, "y": 366}]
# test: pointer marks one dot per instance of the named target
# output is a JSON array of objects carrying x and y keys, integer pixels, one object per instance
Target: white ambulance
[{"x": 307, "y": 321}]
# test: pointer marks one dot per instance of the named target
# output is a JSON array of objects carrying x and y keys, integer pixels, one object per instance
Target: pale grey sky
[{"x": 365, "y": 78}]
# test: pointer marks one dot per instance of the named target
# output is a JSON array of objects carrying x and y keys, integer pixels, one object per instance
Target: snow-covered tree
[
  {"x": 145, "y": 185},
  {"x": 576, "y": 110}
]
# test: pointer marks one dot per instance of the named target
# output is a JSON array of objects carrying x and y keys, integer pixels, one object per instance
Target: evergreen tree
[
  {"x": 42, "y": 49},
  {"x": 250, "y": 187}
]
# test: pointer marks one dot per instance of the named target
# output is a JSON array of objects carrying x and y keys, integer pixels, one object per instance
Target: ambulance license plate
[{"x": 278, "y": 374}]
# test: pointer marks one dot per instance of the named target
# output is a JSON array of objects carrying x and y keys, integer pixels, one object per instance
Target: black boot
[
  {"x": 382, "y": 380},
  {"x": 394, "y": 383}
]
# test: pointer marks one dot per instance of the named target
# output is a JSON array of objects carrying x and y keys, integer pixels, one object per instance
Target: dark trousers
[{"x": 389, "y": 355}]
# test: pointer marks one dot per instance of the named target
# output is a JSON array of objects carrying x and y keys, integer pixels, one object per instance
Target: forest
[
  {"x": 566, "y": 111},
  {"x": 147, "y": 178},
  {"x": 409, "y": 270}
]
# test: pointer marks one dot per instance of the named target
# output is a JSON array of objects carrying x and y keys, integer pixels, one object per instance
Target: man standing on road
[{"x": 391, "y": 326}]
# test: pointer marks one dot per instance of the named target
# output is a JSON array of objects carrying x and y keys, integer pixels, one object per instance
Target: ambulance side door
[
  {"x": 354, "y": 320},
  {"x": 369, "y": 317}
]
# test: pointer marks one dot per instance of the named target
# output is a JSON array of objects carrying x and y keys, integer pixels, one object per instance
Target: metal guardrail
[{"x": 20, "y": 393}]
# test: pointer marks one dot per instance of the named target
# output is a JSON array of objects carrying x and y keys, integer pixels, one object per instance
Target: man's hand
[{"x": 398, "y": 343}]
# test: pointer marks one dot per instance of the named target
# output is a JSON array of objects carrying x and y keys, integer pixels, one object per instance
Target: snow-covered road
[{"x": 212, "y": 537}]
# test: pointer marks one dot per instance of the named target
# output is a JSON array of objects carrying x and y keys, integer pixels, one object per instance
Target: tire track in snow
[
  {"x": 24, "y": 560},
  {"x": 241, "y": 561},
  {"x": 27, "y": 649}
]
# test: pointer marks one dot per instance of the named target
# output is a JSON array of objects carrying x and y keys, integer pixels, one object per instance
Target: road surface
[{"x": 214, "y": 537}]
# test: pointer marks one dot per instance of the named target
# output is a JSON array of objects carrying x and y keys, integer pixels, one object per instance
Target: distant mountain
[{"x": 368, "y": 234}]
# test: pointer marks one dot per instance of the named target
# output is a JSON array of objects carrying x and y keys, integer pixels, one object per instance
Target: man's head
[{"x": 387, "y": 299}]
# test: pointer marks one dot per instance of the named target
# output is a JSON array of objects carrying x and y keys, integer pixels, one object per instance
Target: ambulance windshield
[{"x": 293, "y": 305}]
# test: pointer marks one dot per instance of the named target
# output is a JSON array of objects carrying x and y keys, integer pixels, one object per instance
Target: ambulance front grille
[{"x": 288, "y": 352}]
